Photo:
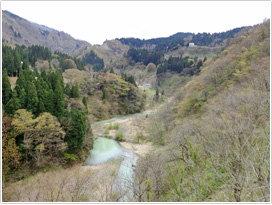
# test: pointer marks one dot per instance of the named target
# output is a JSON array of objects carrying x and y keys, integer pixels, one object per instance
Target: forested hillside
[
  {"x": 47, "y": 111},
  {"x": 214, "y": 136},
  {"x": 38, "y": 57},
  {"x": 171, "y": 42},
  {"x": 185, "y": 118}
]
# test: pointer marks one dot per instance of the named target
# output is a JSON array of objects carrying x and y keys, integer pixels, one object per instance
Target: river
[{"x": 105, "y": 149}]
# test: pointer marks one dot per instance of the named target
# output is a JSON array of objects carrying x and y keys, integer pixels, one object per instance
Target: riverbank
[{"x": 82, "y": 183}]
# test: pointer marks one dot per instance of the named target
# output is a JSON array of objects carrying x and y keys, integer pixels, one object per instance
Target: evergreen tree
[
  {"x": 111, "y": 70},
  {"x": 76, "y": 135},
  {"x": 131, "y": 80},
  {"x": 104, "y": 97},
  {"x": 157, "y": 96},
  {"x": 199, "y": 64},
  {"x": 10, "y": 64},
  {"x": 43, "y": 75},
  {"x": 25, "y": 64},
  {"x": 6, "y": 88},
  {"x": 67, "y": 90},
  {"x": 32, "y": 98},
  {"x": 21, "y": 83},
  {"x": 23, "y": 98},
  {"x": 17, "y": 62},
  {"x": 36, "y": 72},
  {"x": 59, "y": 99},
  {"x": 41, "y": 107},
  {"x": 13, "y": 104},
  {"x": 84, "y": 101},
  {"x": 74, "y": 92},
  {"x": 49, "y": 105},
  {"x": 195, "y": 59}
]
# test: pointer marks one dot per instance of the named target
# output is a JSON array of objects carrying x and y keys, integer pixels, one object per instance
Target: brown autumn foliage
[{"x": 10, "y": 151}]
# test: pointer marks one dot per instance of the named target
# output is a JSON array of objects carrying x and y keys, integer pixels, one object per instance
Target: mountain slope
[
  {"x": 16, "y": 30},
  {"x": 215, "y": 133}
]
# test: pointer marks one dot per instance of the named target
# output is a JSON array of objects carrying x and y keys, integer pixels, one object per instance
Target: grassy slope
[{"x": 217, "y": 128}]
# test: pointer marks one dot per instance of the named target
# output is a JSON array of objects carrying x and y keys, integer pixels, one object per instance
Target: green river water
[{"x": 105, "y": 149}]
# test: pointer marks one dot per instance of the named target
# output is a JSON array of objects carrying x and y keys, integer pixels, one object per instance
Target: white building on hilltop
[{"x": 192, "y": 45}]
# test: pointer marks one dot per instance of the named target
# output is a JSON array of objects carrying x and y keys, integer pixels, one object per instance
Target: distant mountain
[
  {"x": 181, "y": 38},
  {"x": 16, "y": 30}
]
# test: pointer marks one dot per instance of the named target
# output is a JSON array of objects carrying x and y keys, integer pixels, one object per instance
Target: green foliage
[
  {"x": 104, "y": 96},
  {"x": 157, "y": 95},
  {"x": 43, "y": 94},
  {"x": 173, "y": 42},
  {"x": 115, "y": 126},
  {"x": 93, "y": 59},
  {"x": 43, "y": 140},
  {"x": 139, "y": 138},
  {"x": 129, "y": 79},
  {"x": 75, "y": 130},
  {"x": 50, "y": 102},
  {"x": 144, "y": 56},
  {"x": 6, "y": 88},
  {"x": 111, "y": 70},
  {"x": 148, "y": 190},
  {"x": 13, "y": 104},
  {"x": 23, "y": 97},
  {"x": 64, "y": 63},
  {"x": 74, "y": 92},
  {"x": 32, "y": 99},
  {"x": 176, "y": 64},
  {"x": 10, "y": 150},
  {"x": 70, "y": 157},
  {"x": 119, "y": 136},
  {"x": 84, "y": 101},
  {"x": 59, "y": 99},
  {"x": 67, "y": 90},
  {"x": 106, "y": 132},
  {"x": 12, "y": 58},
  {"x": 199, "y": 64}
]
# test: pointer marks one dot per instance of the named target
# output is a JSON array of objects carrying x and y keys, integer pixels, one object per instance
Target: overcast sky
[{"x": 96, "y": 21}]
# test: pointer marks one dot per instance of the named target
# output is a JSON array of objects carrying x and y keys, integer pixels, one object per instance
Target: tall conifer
[{"x": 6, "y": 88}]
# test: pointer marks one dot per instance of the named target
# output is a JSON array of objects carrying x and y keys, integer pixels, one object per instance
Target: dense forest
[
  {"x": 45, "y": 120},
  {"x": 22, "y": 57},
  {"x": 94, "y": 60},
  {"x": 187, "y": 65},
  {"x": 169, "y": 43},
  {"x": 36, "y": 107}
]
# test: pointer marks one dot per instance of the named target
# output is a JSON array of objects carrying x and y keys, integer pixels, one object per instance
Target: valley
[
  {"x": 183, "y": 118},
  {"x": 95, "y": 181}
]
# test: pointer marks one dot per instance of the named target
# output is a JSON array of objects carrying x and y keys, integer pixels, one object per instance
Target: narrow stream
[
  {"x": 124, "y": 181},
  {"x": 120, "y": 118}
]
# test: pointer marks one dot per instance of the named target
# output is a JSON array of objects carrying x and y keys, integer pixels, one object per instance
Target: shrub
[
  {"x": 139, "y": 137},
  {"x": 119, "y": 136},
  {"x": 115, "y": 126},
  {"x": 70, "y": 157},
  {"x": 106, "y": 132}
]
